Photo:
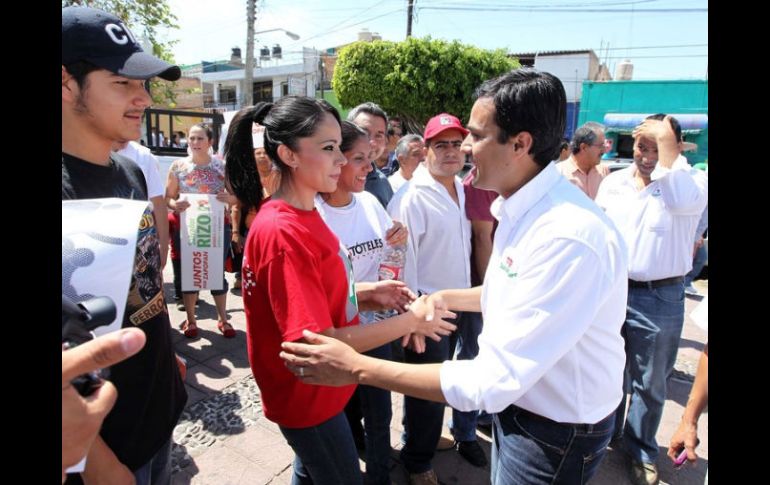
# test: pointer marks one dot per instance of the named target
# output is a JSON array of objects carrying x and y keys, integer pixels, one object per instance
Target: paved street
[{"x": 223, "y": 439}]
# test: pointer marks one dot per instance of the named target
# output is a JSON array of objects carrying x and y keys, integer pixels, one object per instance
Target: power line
[
  {"x": 656, "y": 47},
  {"x": 571, "y": 10},
  {"x": 351, "y": 25},
  {"x": 331, "y": 29}
]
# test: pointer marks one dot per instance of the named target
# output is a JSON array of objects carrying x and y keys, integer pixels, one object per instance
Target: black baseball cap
[{"x": 102, "y": 39}]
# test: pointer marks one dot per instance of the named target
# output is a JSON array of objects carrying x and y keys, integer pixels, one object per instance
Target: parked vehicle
[{"x": 615, "y": 164}]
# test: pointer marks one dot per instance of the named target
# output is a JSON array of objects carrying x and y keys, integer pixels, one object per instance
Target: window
[
  {"x": 227, "y": 94},
  {"x": 263, "y": 91}
]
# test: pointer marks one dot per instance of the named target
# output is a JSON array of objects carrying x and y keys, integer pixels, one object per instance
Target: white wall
[{"x": 571, "y": 69}]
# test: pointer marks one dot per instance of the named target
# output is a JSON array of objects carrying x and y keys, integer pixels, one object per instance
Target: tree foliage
[
  {"x": 143, "y": 16},
  {"x": 416, "y": 78}
]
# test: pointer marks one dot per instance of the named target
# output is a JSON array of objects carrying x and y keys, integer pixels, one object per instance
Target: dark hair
[
  {"x": 586, "y": 134},
  {"x": 205, "y": 127},
  {"x": 79, "y": 70},
  {"x": 351, "y": 133},
  {"x": 369, "y": 108},
  {"x": 564, "y": 144},
  {"x": 241, "y": 174},
  {"x": 285, "y": 121},
  {"x": 674, "y": 124},
  {"x": 532, "y": 101}
]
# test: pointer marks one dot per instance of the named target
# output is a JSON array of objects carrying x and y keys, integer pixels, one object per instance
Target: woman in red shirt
[{"x": 297, "y": 276}]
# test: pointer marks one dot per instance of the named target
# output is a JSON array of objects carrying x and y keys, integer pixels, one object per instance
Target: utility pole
[
  {"x": 409, "y": 13},
  {"x": 248, "y": 95}
]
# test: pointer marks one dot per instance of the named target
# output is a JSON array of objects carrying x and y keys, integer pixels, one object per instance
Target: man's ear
[
  {"x": 522, "y": 141},
  {"x": 66, "y": 91}
]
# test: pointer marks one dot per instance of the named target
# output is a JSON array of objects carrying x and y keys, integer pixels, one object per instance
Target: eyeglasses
[{"x": 444, "y": 145}]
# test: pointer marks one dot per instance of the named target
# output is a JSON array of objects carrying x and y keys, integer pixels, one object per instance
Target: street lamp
[
  {"x": 291, "y": 35},
  {"x": 249, "y": 67}
]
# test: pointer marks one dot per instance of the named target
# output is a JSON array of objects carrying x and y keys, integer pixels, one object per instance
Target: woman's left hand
[
  {"x": 397, "y": 234},
  {"x": 227, "y": 198}
]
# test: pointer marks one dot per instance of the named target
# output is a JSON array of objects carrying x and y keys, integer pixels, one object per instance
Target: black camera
[{"x": 78, "y": 320}]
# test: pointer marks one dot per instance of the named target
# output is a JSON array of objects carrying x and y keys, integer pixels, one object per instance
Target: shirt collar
[
  {"x": 518, "y": 204},
  {"x": 422, "y": 176}
]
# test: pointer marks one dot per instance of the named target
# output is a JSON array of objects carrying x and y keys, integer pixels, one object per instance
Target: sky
[{"x": 668, "y": 41}]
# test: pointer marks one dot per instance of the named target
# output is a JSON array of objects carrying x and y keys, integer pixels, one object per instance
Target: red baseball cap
[{"x": 442, "y": 122}]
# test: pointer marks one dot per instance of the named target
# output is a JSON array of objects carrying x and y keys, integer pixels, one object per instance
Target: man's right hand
[
  {"x": 430, "y": 319},
  {"x": 117, "y": 474},
  {"x": 82, "y": 416}
]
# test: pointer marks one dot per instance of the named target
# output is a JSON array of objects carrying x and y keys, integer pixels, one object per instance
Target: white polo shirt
[
  {"x": 553, "y": 301},
  {"x": 439, "y": 249},
  {"x": 397, "y": 180},
  {"x": 658, "y": 222},
  {"x": 143, "y": 157}
]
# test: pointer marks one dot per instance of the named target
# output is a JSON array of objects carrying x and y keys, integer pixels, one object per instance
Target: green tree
[
  {"x": 143, "y": 16},
  {"x": 416, "y": 78}
]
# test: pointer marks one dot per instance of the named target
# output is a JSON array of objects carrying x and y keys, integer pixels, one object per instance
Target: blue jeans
[
  {"x": 701, "y": 256},
  {"x": 377, "y": 411},
  {"x": 652, "y": 329},
  {"x": 532, "y": 450},
  {"x": 463, "y": 423},
  {"x": 325, "y": 454},
  {"x": 423, "y": 419},
  {"x": 157, "y": 471}
]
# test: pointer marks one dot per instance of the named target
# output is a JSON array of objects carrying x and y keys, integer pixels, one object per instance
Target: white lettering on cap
[
  {"x": 119, "y": 33},
  {"x": 444, "y": 120}
]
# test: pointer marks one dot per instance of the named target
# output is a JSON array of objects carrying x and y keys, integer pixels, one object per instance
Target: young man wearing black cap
[{"x": 103, "y": 98}]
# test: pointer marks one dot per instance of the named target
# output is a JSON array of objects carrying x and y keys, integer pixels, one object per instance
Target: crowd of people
[{"x": 540, "y": 294}]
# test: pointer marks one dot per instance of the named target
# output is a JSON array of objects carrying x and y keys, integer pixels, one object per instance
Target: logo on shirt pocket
[{"x": 507, "y": 264}]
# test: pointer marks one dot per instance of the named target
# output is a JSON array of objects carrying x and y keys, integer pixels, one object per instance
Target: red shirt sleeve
[{"x": 296, "y": 294}]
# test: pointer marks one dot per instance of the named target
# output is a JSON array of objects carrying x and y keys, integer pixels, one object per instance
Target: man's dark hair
[
  {"x": 674, "y": 124},
  {"x": 586, "y": 134},
  {"x": 532, "y": 101},
  {"x": 369, "y": 108},
  {"x": 79, "y": 70}
]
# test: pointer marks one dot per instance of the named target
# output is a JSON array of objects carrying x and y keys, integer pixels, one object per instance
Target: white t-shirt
[
  {"x": 143, "y": 157},
  {"x": 361, "y": 227}
]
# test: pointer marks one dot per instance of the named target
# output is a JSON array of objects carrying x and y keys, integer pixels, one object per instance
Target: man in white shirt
[
  {"x": 551, "y": 357},
  {"x": 656, "y": 204},
  {"x": 410, "y": 151},
  {"x": 438, "y": 255},
  {"x": 156, "y": 190}
]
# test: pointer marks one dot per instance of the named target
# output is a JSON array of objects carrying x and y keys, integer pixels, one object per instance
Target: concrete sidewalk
[{"x": 223, "y": 438}]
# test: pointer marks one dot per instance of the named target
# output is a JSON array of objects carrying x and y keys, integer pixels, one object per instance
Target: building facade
[{"x": 621, "y": 105}]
